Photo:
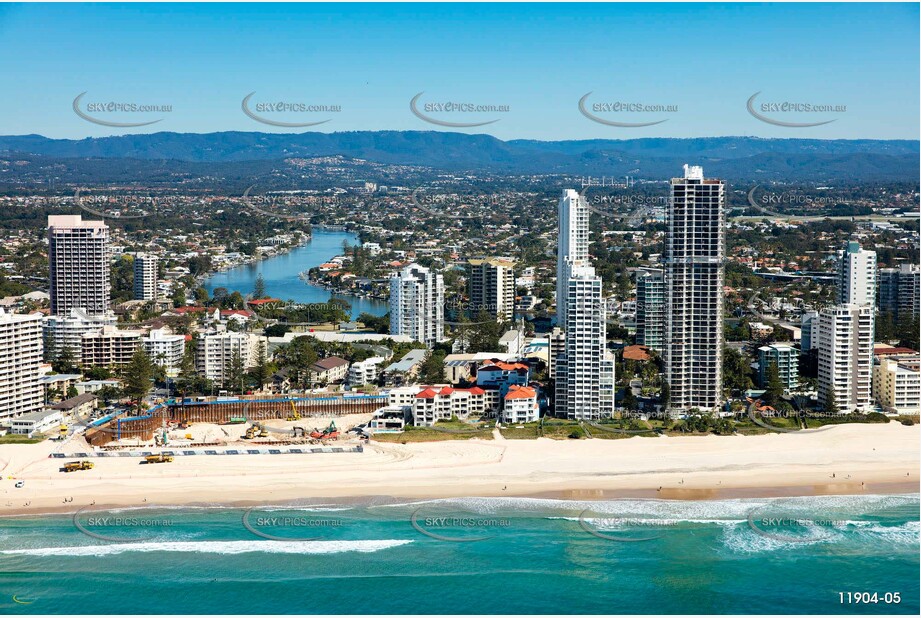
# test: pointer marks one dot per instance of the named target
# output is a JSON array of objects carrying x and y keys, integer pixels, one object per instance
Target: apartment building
[
  {"x": 21, "y": 390},
  {"x": 164, "y": 348},
  {"x": 786, "y": 357},
  {"x": 650, "y": 310},
  {"x": 66, "y": 331},
  {"x": 519, "y": 406},
  {"x": 145, "y": 276},
  {"x": 694, "y": 263},
  {"x": 109, "y": 347},
  {"x": 491, "y": 286},
  {"x": 899, "y": 290},
  {"x": 897, "y": 385},
  {"x": 417, "y": 304},
  {"x": 78, "y": 263},
  {"x": 215, "y": 351},
  {"x": 845, "y": 343}
]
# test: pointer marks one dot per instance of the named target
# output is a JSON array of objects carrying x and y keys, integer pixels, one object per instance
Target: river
[{"x": 281, "y": 274}]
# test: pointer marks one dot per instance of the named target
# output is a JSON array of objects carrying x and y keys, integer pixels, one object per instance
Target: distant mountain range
[{"x": 733, "y": 158}]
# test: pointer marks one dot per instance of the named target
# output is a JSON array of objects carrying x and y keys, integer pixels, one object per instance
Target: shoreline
[
  {"x": 562, "y": 496},
  {"x": 843, "y": 460}
]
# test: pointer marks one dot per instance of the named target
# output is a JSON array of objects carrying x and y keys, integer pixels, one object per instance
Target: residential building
[
  {"x": 897, "y": 386},
  {"x": 491, "y": 286},
  {"x": 786, "y": 357},
  {"x": 145, "y": 276},
  {"x": 37, "y": 422},
  {"x": 572, "y": 245},
  {"x": 845, "y": 342},
  {"x": 650, "y": 310},
  {"x": 694, "y": 255},
  {"x": 808, "y": 322},
  {"x": 329, "y": 370},
  {"x": 407, "y": 367},
  {"x": 556, "y": 346},
  {"x": 164, "y": 348},
  {"x": 417, "y": 304},
  {"x": 579, "y": 368},
  {"x": 21, "y": 389},
  {"x": 442, "y": 402},
  {"x": 899, "y": 290},
  {"x": 520, "y": 406},
  {"x": 760, "y": 330},
  {"x": 502, "y": 375},
  {"x": 109, "y": 346},
  {"x": 78, "y": 262},
  {"x": 62, "y": 332},
  {"x": 856, "y": 275},
  {"x": 215, "y": 352},
  {"x": 365, "y": 372}
]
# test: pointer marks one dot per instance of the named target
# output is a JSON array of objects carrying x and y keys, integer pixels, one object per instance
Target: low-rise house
[
  {"x": 364, "y": 372},
  {"x": 80, "y": 405},
  {"x": 501, "y": 375}
]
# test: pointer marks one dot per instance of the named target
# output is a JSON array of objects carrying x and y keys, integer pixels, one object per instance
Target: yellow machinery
[
  {"x": 161, "y": 458},
  {"x": 78, "y": 465},
  {"x": 295, "y": 415}
]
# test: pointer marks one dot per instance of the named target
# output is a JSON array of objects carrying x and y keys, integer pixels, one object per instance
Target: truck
[
  {"x": 161, "y": 458},
  {"x": 73, "y": 466}
]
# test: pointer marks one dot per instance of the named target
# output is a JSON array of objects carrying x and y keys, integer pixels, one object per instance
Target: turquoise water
[
  {"x": 538, "y": 556},
  {"x": 281, "y": 274}
]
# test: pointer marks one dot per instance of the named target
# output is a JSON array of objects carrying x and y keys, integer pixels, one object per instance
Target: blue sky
[{"x": 539, "y": 60}]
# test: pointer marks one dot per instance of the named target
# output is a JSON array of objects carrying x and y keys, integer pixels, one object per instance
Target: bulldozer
[
  {"x": 256, "y": 430},
  {"x": 74, "y": 466},
  {"x": 161, "y": 458}
]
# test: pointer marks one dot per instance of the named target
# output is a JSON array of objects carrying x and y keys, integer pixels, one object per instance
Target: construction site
[{"x": 184, "y": 424}]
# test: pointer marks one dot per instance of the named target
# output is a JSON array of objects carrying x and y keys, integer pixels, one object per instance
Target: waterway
[{"x": 281, "y": 274}]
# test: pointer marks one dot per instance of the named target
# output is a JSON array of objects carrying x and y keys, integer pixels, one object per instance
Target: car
[{"x": 20, "y": 484}]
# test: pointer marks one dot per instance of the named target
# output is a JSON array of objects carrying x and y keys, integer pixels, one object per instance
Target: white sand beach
[{"x": 837, "y": 460}]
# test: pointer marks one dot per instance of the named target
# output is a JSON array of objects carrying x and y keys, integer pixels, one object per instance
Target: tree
[
  {"x": 259, "y": 289},
  {"x": 665, "y": 394},
  {"x": 831, "y": 406},
  {"x": 736, "y": 371},
  {"x": 629, "y": 402},
  {"x": 137, "y": 375},
  {"x": 72, "y": 391},
  {"x": 260, "y": 372},
  {"x": 64, "y": 361},
  {"x": 432, "y": 370},
  {"x": 179, "y": 299},
  {"x": 234, "y": 372},
  {"x": 773, "y": 386}
]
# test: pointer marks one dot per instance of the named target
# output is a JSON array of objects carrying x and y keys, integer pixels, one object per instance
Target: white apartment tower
[
  {"x": 694, "y": 254},
  {"x": 844, "y": 338},
  {"x": 20, "y": 360},
  {"x": 491, "y": 286},
  {"x": 145, "y": 276},
  {"x": 417, "y": 297},
  {"x": 579, "y": 389},
  {"x": 843, "y": 333},
  {"x": 856, "y": 275},
  {"x": 572, "y": 245},
  {"x": 78, "y": 264}
]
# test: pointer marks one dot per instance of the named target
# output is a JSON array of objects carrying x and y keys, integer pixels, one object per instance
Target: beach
[{"x": 842, "y": 459}]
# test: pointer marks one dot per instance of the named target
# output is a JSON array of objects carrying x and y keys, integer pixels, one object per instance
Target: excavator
[
  {"x": 295, "y": 415},
  {"x": 330, "y": 433}
]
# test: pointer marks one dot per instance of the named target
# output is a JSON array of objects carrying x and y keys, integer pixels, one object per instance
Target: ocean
[
  {"x": 822, "y": 555},
  {"x": 281, "y": 274}
]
